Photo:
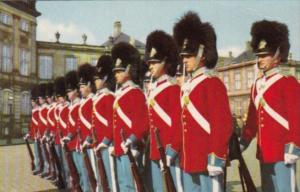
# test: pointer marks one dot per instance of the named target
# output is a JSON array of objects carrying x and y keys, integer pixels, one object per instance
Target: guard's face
[
  {"x": 267, "y": 61},
  {"x": 99, "y": 83},
  {"x": 121, "y": 77},
  {"x": 190, "y": 62},
  {"x": 72, "y": 94},
  {"x": 41, "y": 100},
  {"x": 179, "y": 80},
  {"x": 60, "y": 99},
  {"x": 33, "y": 103},
  {"x": 156, "y": 68},
  {"x": 85, "y": 90},
  {"x": 49, "y": 100}
]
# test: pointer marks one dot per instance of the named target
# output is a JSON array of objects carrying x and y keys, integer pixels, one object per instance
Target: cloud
[
  {"x": 70, "y": 32},
  {"x": 234, "y": 49}
]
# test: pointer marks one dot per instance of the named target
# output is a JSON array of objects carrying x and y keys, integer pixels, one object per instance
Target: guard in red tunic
[
  {"x": 129, "y": 113},
  {"x": 164, "y": 107},
  {"x": 33, "y": 129},
  {"x": 85, "y": 111},
  {"x": 274, "y": 109},
  {"x": 42, "y": 126},
  {"x": 206, "y": 115}
]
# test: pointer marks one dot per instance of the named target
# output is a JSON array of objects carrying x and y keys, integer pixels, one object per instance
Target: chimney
[
  {"x": 84, "y": 38},
  {"x": 248, "y": 46},
  {"x": 117, "y": 29},
  {"x": 290, "y": 56},
  {"x": 230, "y": 54},
  {"x": 57, "y": 36}
]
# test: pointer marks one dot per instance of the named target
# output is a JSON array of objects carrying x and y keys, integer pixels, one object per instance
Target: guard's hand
[
  {"x": 214, "y": 170},
  {"x": 100, "y": 146},
  {"x": 135, "y": 153},
  {"x": 290, "y": 159},
  {"x": 124, "y": 147},
  {"x": 64, "y": 140},
  {"x": 85, "y": 145},
  {"x": 111, "y": 150},
  {"x": 26, "y": 136}
]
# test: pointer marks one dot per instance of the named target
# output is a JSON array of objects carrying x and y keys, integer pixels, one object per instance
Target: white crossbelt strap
[
  {"x": 48, "y": 117},
  {"x": 276, "y": 116},
  {"x": 34, "y": 120},
  {"x": 124, "y": 117},
  {"x": 159, "y": 89},
  {"x": 268, "y": 84},
  {"x": 63, "y": 124},
  {"x": 161, "y": 113},
  {"x": 42, "y": 118},
  {"x": 83, "y": 120},
  {"x": 192, "y": 109},
  {"x": 101, "y": 118}
]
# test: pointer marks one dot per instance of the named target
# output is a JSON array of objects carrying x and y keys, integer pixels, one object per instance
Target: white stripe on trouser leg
[
  {"x": 215, "y": 184},
  {"x": 178, "y": 179},
  {"x": 93, "y": 162},
  {"x": 293, "y": 178},
  {"x": 112, "y": 170}
]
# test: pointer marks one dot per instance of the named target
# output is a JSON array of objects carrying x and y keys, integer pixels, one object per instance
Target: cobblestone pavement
[{"x": 15, "y": 174}]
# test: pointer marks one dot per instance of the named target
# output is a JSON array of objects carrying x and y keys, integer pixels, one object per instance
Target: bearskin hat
[
  {"x": 160, "y": 46},
  {"x": 60, "y": 87},
  {"x": 190, "y": 33},
  {"x": 50, "y": 89},
  {"x": 104, "y": 67},
  {"x": 71, "y": 81},
  {"x": 86, "y": 74},
  {"x": 127, "y": 57},
  {"x": 42, "y": 90},
  {"x": 268, "y": 36},
  {"x": 35, "y": 92}
]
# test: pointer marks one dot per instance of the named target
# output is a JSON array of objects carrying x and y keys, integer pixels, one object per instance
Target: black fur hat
[
  {"x": 71, "y": 80},
  {"x": 42, "y": 90},
  {"x": 60, "y": 87},
  {"x": 268, "y": 36},
  {"x": 35, "y": 92},
  {"x": 50, "y": 89},
  {"x": 160, "y": 46},
  {"x": 126, "y": 57},
  {"x": 190, "y": 33},
  {"x": 104, "y": 67},
  {"x": 86, "y": 74}
]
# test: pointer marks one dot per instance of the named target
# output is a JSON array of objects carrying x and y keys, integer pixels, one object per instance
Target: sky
[{"x": 232, "y": 20}]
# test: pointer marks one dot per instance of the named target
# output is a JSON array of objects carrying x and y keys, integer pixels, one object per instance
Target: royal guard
[
  {"x": 42, "y": 126},
  {"x": 206, "y": 115},
  {"x": 164, "y": 107},
  {"x": 274, "y": 109},
  {"x": 129, "y": 113},
  {"x": 51, "y": 125},
  {"x": 102, "y": 128},
  {"x": 85, "y": 111},
  {"x": 72, "y": 137},
  {"x": 61, "y": 116},
  {"x": 34, "y": 131}
]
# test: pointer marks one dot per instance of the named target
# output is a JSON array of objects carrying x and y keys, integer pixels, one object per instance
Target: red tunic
[
  {"x": 51, "y": 118},
  {"x": 165, "y": 115},
  {"x": 43, "y": 119},
  {"x": 63, "y": 120},
  {"x": 85, "y": 117},
  {"x": 73, "y": 124},
  {"x": 207, "y": 123},
  {"x": 33, "y": 130},
  {"x": 129, "y": 114},
  {"x": 102, "y": 116},
  {"x": 274, "y": 117}
]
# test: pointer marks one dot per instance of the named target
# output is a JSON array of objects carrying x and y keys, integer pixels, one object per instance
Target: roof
[
  {"x": 245, "y": 56},
  {"x": 122, "y": 37}
]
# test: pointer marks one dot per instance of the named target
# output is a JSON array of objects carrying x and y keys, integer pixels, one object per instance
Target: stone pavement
[{"x": 15, "y": 173}]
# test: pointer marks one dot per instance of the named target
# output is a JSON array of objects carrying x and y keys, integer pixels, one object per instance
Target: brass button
[
  {"x": 185, "y": 130},
  {"x": 262, "y": 125}
]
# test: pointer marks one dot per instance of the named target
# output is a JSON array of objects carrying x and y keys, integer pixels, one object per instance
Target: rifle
[
  {"x": 101, "y": 167},
  {"x": 88, "y": 166},
  {"x": 165, "y": 169},
  {"x": 30, "y": 155},
  {"x": 134, "y": 169},
  {"x": 41, "y": 159},
  {"x": 72, "y": 168},
  {"x": 235, "y": 153}
]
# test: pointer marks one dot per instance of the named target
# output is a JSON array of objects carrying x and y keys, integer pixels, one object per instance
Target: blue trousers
[
  {"x": 124, "y": 174},
  {"x": 202, "y": 182},
  {"x": 157, "y": 177},
  {"x": 36, "y": 156},
  {"x": 63, "y": 163},
  {"x": 46, "y": 164},
  {"x": 278, "y": 177},
  {"x": 78, "y": 160}
]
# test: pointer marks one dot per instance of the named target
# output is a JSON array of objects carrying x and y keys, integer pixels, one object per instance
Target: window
[
  {"x": 7, "y": 101},
  {"x": 71, "y": 64},
  {"x": 226, "y": 81},
  {"x": 5, "y": 57},
  {"x": 25, "y": 103},
  {"x": 237, "y": 81},
  {"x": 24, "y": 25},
  {"x": 5, "y": 18},
  {"x": 24, "y": 62},
  {"x": 45, "y": 67},
  {"x": 250, "y": 79},
  {"x": 94, "y": 61}
]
